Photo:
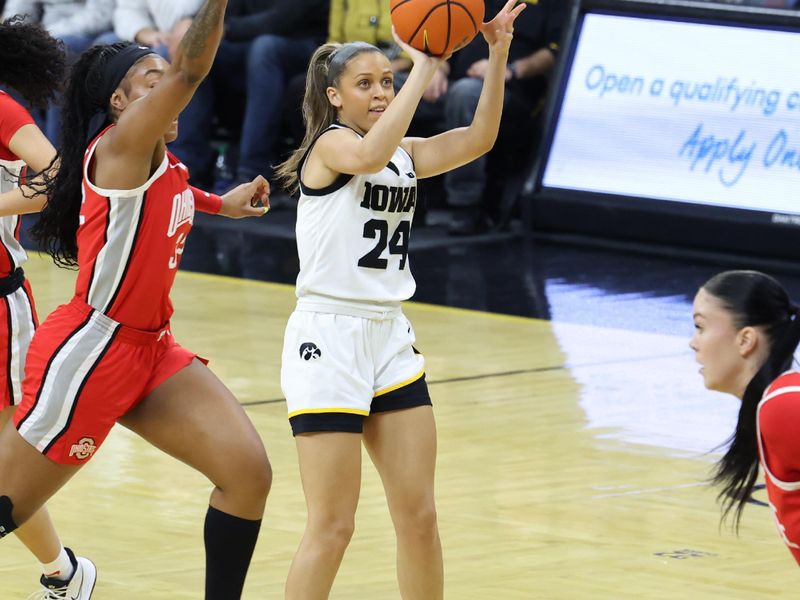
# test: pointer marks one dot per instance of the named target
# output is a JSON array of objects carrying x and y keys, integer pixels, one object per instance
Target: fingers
[
  {"x": 260, "y": 181},
  {"x": 505, "y": 18},
  {"x": 410, "y": 51},
  {"x": 254, "y": 211},
  {"x": 259, "y": 192},
  {"x": 258, "y": 209},
  {"x": 264, "y": 203},
  {"x": 517, "y": 10},
  {"x": 509, "y": 5},
  {"x": 508, "y": 10},
  {"x": 397, "y": 37}
]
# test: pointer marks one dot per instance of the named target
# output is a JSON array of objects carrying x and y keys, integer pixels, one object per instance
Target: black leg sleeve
[{"x": 230, "y": 542}]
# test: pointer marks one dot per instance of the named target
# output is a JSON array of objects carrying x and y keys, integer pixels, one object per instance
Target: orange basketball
[{"x": 437, "y": 27}]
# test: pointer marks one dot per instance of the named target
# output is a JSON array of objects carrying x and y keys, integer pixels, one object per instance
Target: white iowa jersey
[{"x": 352, "y": 236}]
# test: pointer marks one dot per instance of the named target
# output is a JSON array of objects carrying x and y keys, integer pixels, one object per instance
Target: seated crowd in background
[{"x": 247, "y": 113}]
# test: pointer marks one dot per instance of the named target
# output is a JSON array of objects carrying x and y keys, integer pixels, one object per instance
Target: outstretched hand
[
  {"x": 247, "y": 200},
  {"x": 499, "y": 31}
]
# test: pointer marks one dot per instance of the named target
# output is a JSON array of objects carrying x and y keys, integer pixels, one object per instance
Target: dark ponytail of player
[
  {"x": 324, "y": 70},
  {"x": 756, "y": 300},
  {"x": 33, "y": 62},
  {"x": 58, "y": 222}
]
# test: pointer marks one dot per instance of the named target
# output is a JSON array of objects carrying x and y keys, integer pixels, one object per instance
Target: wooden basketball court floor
[{"x": 572, "y": 464}]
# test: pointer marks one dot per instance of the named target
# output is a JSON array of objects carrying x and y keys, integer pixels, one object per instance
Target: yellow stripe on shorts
[
  {"x": 317, "y": 411},
  {"x": 399, "y": 385}
]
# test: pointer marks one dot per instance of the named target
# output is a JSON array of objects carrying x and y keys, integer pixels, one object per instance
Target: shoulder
[
  {"x": 780, "y": 408},
  {"x": 779, "y": 425},
  {"x": 13, "y": 117},
  {"x": 336, "y": 135},
  {"x": 332, "y": 141},
  {"x": 6, "y": 101},
  {"x": 786, "y": 383},
  {"x": 12, "y": 111}
]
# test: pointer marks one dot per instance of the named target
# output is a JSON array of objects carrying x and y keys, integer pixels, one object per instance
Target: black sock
[{"x": 230, "y": 542}]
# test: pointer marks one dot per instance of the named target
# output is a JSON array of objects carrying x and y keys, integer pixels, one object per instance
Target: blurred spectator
[
  {"x": 266, "y": 43},
  {"x": 65, "y": 19},
  {"x": 78, "y": 24},
  {"x": 159, "y": 24},
  {"x": 537, "y": 32}
]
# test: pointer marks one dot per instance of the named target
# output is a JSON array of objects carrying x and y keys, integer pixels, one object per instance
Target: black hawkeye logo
[{"x": 309, "y": 351}]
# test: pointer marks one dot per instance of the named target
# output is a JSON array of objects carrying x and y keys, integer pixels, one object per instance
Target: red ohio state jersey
[
  {"x": 130, "y": 243},
  {"x": 779, "y": 447},
  {"x": 12, "y": 118}
]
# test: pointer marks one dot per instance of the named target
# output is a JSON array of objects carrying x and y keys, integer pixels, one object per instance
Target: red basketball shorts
[{"x": 84, "y": 371}]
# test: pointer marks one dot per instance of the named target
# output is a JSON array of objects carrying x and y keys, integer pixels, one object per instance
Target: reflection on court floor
[{"x": 572, "y": 464}]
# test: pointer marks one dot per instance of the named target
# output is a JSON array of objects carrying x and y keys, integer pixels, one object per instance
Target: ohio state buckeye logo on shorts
[{"x": 83, "y": 449}]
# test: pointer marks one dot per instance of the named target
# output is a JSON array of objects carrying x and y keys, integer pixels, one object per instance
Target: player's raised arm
[
  {"x": 457, "y": 147},
  {"x": 143, "y": 121}
]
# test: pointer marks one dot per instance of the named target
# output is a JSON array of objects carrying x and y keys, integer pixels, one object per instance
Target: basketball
[{"x": 437, "y": 27}]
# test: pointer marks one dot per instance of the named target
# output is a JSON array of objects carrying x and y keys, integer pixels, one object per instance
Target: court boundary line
[{"x": 561, "y": 367}]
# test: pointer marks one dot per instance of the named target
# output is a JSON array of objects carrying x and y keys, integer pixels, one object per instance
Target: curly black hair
[{"x": 33, "y": 61}]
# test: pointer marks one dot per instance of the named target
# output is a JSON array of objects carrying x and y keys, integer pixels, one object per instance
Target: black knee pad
[{"x": 7, "y": 524}]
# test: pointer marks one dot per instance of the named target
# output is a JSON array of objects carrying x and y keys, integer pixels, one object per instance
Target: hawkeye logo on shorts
[
  {"x": 309, "y": 351},
  {"x": 83, "y": 449}
]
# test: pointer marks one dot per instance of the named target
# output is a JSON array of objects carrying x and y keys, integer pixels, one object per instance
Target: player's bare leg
[
  {"x": 195, "y": 418},
  {"x": 330, "y": 469},
  {"x": 402, "y": 444},
  {"x": 38, "y": 533}
]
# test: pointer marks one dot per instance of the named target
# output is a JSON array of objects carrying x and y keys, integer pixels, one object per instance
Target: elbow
[
  {"x": 370, "y": 157},
  {"x": 484, "y": 149},
  {"x": 368, "y": 165},
  {"x": 193, "y": 75},
  {"x": 372, "y": 167},
  {"x": 194, "y": 79},
  {"x": 482, "y": 146},
  {"x": 482, "y": 138}
]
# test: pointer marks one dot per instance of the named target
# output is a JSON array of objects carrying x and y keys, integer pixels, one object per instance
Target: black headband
[
  {"x": 340, "y": 56},
  {"x": 113, "y": 73}
]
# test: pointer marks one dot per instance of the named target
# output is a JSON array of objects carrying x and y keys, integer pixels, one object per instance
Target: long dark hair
[
  {"x": 318, "y": 112},
  {"x": 57, "y": 226},
  {"x": 756, "y": 300},
  {"x": 33, "y": 61}
]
